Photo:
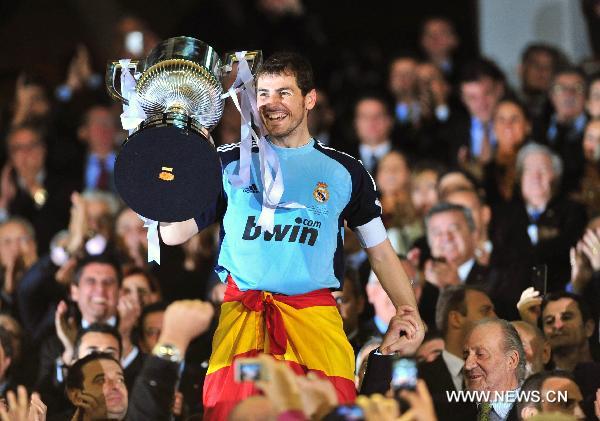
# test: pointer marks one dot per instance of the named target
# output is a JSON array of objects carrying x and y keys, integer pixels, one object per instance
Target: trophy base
[{"x": 168, "y": 173}]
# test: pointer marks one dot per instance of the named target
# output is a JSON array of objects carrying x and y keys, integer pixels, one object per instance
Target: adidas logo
[{"x": 251, "y": 189}]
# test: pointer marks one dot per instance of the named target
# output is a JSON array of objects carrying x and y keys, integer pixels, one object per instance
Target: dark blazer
[
  {"x": 52, "y": 216},
  {"x": 439, "y": 381},
  {"x": 559, "y": 228},
  {"x": 378, "y": 376},
  {"x": 478, "y": 275}
]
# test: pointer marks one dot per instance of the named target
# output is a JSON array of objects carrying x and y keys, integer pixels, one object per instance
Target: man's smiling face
[{"x": 282, "y": 106}]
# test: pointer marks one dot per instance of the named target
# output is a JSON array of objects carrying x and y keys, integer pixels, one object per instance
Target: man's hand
[
  {"x": 421, "y": 404},
  {"x": 8, "y": 190},
  {"x": 66, "y": 330},
  {"x": 78, "y": 227},
  {"x": 405, "y": 332},
  {"x": 318, "y": 395},
  {"x": 129, "y": 312},
  {"x": 581, "y": 272},
  {"x": 280, "y": 385},
  {"x": 183, "y": 321},
  {"x": 378, "y": 408},
  {"x": 590, "y": 245},
  {"x": 441, "y": 273},
  {"x": 530, "y": 306},
  {"x": 20, "y": 408}
]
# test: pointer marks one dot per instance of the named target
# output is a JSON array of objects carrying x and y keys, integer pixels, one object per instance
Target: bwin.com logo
[{"x": 305, "y": 232}]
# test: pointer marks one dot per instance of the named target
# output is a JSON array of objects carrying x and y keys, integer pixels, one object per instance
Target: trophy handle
[
  {"x": 254, "y": 59},
  {"x": 111, "y": 72}
]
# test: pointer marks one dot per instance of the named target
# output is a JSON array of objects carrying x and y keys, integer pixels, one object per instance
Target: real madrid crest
[{"x": 321, "y": 194}]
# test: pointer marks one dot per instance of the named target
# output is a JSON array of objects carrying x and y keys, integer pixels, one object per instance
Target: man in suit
[
  {"x": 540, "y": 226},
  {"x": 563, "y": 129},
  {"x": 470, "y": 136},
  {"x": 494, "y": 363},
  {"x": 29, "y": 190},
  {"x": 452, "y": 238},
  {"x": 458, "y": 308},
  {"x": 99, "y": 133},
  {"x": 373, "y": 125}
]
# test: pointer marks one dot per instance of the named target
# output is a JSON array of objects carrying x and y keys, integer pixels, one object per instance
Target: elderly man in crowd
[
  {"x": 458, "y": 308},
  {"x": 494, "y": 363},
  {"x": 541, "y": 226}
]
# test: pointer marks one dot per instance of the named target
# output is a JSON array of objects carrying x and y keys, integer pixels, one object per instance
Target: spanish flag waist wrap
[{"x": 304, "y": 330}]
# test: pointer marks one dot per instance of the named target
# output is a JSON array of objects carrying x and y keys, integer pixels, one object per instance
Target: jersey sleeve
[
  {"x": 363, "y": 211},
  {"x": 214, "y": 213}
]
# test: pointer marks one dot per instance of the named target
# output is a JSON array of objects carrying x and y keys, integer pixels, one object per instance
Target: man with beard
[{"x": 278, "y": 298}]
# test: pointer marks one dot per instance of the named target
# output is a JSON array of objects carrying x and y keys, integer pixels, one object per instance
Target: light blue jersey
[{"x": 304, "y": 252}]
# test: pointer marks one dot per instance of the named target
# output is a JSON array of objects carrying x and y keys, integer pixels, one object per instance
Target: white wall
[{"x": 507, "y": 26}]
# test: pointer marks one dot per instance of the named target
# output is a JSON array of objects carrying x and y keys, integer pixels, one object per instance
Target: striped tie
[{"x": 485, "y": 410}]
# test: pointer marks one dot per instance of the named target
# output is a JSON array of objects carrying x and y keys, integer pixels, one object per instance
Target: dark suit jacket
[
  {"x": 559, "y": 228},
  {"x": 439, "y": 381},
  {"x": 378, "y": 376},
  {"x": 50, "y": 218},
  {"x": 478, "y": 275}
]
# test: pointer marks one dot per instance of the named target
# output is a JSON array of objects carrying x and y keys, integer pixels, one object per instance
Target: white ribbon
[
  {"x": 273, "y": 186},
  {"x": 153, "y": 243},
  {"x": 133, "y": 114}
]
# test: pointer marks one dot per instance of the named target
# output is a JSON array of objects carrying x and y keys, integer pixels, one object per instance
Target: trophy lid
[{"x": 168, "y": 174}]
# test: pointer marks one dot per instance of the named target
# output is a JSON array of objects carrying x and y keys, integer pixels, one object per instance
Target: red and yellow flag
[{"x": 304, "y": 330}]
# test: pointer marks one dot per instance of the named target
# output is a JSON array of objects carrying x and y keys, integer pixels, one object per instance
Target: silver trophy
[{"x": 168, "y": 168}]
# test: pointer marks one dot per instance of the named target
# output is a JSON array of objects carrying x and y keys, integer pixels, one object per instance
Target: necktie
[
  {"x": 103, "y": 177},
  {"x": 485, "y": 409},
  {"x": 486, "y": 145}
]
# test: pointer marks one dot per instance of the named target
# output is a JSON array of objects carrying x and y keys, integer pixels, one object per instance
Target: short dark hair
[
  {"x": 570, "y": 70},
  {"x": 351, "y": 276},
  {"x": 152, "y": 308},
  {"x": 442, "y": 207},
  {"x": 99, "y": 328},
  {"x": 289, "y": 63},
  {"x": 584, "y": 309},
  {"x": 558, "y": 57},
  {"x": 36, "y": 128},
  {"x": 136, "y": 270},
  {"x": 75, "y": 377},
  {"x": 105, "y": 258},
  {"x": 452, "y": 298},
  {"x": 380, "y": 97},
  {"x": 480, "y": 68},
  {"x": 517, "y": 103},
  {"x": 534, "y": 383},
  {"x": 6, "y": 342}
]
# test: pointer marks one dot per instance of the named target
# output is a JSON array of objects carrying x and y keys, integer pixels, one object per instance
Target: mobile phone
[
  {"x": 248, "y": 370},
  {"x": 347, "y": 413},
  {"x": 134, "y": 43},
  {"x": 404, "y": 374},
  {"x": 539, "y": 278}
]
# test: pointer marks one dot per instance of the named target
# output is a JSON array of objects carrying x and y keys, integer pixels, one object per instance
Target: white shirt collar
[
  {"x": 503, "y": 408},
  {"x": 112, "y": 321},
  {"x": 378, "y": 150},
  {"x": 128, "y": 359},
  {"x": 465, "y": 268},
  {"x": 455, "y": 366}
]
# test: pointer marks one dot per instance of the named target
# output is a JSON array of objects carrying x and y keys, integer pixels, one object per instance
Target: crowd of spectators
[{"x": 490, "y": 194}]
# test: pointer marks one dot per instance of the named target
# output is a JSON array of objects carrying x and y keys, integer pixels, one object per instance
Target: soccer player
[{"x": 278, "y": 298}]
